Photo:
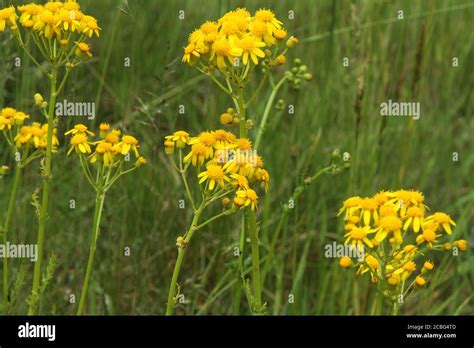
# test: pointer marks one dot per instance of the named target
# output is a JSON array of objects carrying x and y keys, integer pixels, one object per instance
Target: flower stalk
[
  {"x": 179, "y": 260},
  {"x": 6, "y": 227},
  {"x": 46, "y": 174},
  {"x": 99, "y": 206}
]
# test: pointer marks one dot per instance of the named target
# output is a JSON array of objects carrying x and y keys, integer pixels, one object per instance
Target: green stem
[
  {"x": 257, "y": 290},
  {"x": 6, "y": 227},
  {"x": 242, "y": 113},
  {"x": 268, "y": 107},
  {"x": 238, "y": 291},
  {"x": 378, "y": 303},
  {"x": 185, "y": 181},
  {"x": 218, "y": 216},
  {"x": 99, "y": 206},
  {"x": 179, "y": 260},
  {"x": 259, "y": 88},
  {"x": 46, "y": 189}
]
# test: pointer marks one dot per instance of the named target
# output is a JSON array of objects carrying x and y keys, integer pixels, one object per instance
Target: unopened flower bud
[
  {"x": 308, "y": 77},
  {"x": 226, "y": 202},
  {"x": 280, "y": 105},
  {"x": 226, "y": 118},
  {"x": 63, "y": 43},
  {"x": 141, "y": 161},
  {"x": 236, "y": 121},
  {"x": 249, "y": 124},
  {"x": 336, "y": 154},
  {"x": 279, "y": 34},
  {"x": 104, "y": 130},
  {"x": 297, "y": 61},
  {"x": 280, "y": 60},
  {"x": 38, "y": 100},
  {"x": 180, "y": 242},
  {"x": 292, "y": 42},
  {"x": 461, "y": 244},
  {"x": 4, "y": 170},
  {"x": 169, "y": 147}
]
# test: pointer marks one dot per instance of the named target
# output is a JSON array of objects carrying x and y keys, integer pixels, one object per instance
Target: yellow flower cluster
[
  {"x": 237, "y": 36},
  {"x": 230, "y": 164},
  {"x": 25, "y": 136},
  {"x": 392, "y": 228},
  {"x": 54, "y": 19},
  {"x": 111, "y": 149},
  {"x": 61, "y": 22}
]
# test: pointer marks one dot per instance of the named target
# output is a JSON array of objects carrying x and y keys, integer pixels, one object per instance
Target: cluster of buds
[{"x": 298, "y": 74}]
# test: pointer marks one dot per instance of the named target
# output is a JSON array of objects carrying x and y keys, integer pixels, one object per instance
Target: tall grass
[{"x": 408, "y": 60}]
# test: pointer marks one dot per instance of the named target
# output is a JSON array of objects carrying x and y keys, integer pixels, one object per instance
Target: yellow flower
[
  {"x": 462, "y": 244},
  {"x": 104, "y": 129},
  {"x": 420, "y": 281},
  {"x": 6, "y": 123},
  {"x": 428, "y": 236},
  {"x": 357, "y": 236},
  {"x": 371, "y": 264},
  {"x": 215, "y": 175},
  {"x": 181, "y": 138},
  {"x": 345, "y": 262},
  {"x": 23, "y": 136},
  {"x": 381, "y": 198},
  {"x": 89, "y": 26},
  {"x": 226, "y": 118},
  {"x": 222, "y": 49},
  {"x": 369, "y": 209},
  {"x": 141, "y": 161},
  {"x": 442, "y": 219},
  {"x": 405, "y": 270},
  {"x": 169, "y": 147},
  {"x": 208, "y": 31},
  {"x": 241, "y": 163},
  {"x": 197, "y": 155},
  {"x": 268, "y": 17},
  {"x": 7, "y": 17},
  {"x": 415, "y": 216},
  {"x": 29, "y": 14},
  {"x": 80, "y": 144},
  {"x": 103, "y": 151},
  {"x": 260, "y": 30},
  {"x": 280, "y": 59},
  {"x": 428, "y": 266},
  {"x": 240, "y": 181},
  {"x": 80, "y": 129},
  {"x": 223, "y": 139},
  {"x": 207, "y": 139},
  {"x": 389, "y": 224},
  {"x": 280, "y": 34},
  {"x": 46, "y": 25},
  {"x": 264, "y": 177},
  {"x": 113, "y": 137},
  {"x": 248, "y": 197},
  {"x": 189, "y": 52},
  {"x": 83, "y": 50},
  {"x": 350, "y": 206},
  {"x": 20, "y": 118},
  {"x": 250, "y": 47},
  {"x": 129, "y": 143}
]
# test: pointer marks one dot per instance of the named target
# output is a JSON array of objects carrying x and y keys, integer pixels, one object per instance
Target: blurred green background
[{"x": 389, "y": 58}]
